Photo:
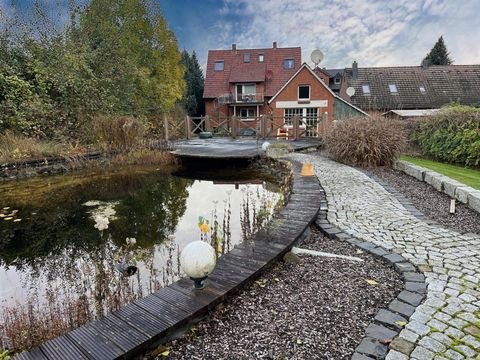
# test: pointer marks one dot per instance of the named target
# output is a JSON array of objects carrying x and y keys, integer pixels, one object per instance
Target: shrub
[
  {"x": 452, "y": 135},
  {"x": 372, "y": 141},
  {"x": 119, "y": 133},
  {"x": 145, "y": 157},
  {"x": 14, "y": 147}
]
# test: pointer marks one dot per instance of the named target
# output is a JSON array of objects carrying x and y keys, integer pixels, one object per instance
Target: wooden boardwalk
[
  {"x": 136, "y": 327},
  {"x": 227, "y": 148}
]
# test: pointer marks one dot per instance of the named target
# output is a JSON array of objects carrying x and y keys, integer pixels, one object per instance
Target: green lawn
[{"x": 469, "y": 177}]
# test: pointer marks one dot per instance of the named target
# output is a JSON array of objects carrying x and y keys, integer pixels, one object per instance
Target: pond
[{"x": 65, "y": 240}]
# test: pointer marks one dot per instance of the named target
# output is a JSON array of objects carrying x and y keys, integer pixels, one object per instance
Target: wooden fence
[{"x": 260, "y": 127}]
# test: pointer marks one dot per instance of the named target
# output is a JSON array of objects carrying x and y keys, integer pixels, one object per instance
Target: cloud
[{"x": 373, "y": 32}]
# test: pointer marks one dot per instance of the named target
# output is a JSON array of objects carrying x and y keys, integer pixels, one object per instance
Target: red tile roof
[{"x": 271, "y": 71}]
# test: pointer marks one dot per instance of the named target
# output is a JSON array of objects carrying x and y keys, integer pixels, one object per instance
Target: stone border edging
[
  {"x": 381, "y": 334},
  {"x": 442, "y": 183}
]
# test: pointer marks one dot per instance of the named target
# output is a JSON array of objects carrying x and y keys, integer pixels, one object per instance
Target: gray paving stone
[
  {"x": 395, "y": 355},
  {"x": 454, "y": 333},
  {"x": 420, "y": 353},
  {"x": 416, "y": 287},
  {"x": 402, "y": 308},
  {"x": 409, "y": 335},
  {"x": 373, "y": 348},
  {"x": 471, "y": 341},
  {"x": 452, "y": 354},
  {"x": 418, "y": 328},
  {"x": 379, "y": 332},
  {"x": 432, "y": 344},
  {"x": 413, "y": 276},
  {"x": 391, "y": 319},
  {"x": 410, "y": 297},
  {"x": 468, "y": 352}
]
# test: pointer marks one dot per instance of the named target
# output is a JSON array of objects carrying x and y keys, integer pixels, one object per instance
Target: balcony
[
  {"x": 230, "y": 99},
  {"x": 249, "y": 98}
]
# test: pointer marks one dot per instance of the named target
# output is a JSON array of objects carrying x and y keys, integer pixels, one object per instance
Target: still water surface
[{"x": 53, "y": 250}]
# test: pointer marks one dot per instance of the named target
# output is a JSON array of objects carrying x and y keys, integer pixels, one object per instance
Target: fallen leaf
[
  {"x": 401, "y": 323},
  {"x": 385, "y": 341},
  {"x": 165, "y": 353},
  {"x": 8, "y": 218},
  {"x": 360, "y": 251},
  {"x": 372, "y": 282},
  {"x": 17, "y": 220}
]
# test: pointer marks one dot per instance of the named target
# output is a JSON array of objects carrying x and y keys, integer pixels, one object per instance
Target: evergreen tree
[
  {"x": 439, "y": 54},
  {"x": 194, "y": 82}
]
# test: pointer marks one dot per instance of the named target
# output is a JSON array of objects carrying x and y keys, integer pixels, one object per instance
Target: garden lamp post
[{"x": 198, "y": 259}]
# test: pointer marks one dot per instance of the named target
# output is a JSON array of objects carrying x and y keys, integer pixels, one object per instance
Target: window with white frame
[
  {"x": 247, "y": 113},
  {"x": 246, "y": 92},
  {"x": 289, "y": 63},
  {"x": 366, "y": 89},
  {"x": 304, "y": 92},
  {"x": 307, "y": 116},
  {"x": 261, "y": 58},
  {"x": 219, "y": 65},
  {"x": 338, "y": 80},
  {"x": 289, "y": 114}
]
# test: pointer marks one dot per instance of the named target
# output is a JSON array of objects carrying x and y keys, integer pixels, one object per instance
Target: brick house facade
[
  {"x": 241, "y": 81},
  {"x": 305, "y": 95}
]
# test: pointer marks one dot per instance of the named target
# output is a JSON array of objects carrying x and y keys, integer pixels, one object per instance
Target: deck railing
[
  {"x": 259, "y": 127},
  {"x": 230, "y": 99}
]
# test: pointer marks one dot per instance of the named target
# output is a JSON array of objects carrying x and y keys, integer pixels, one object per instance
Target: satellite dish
[
  {"x": 350, "y": 91},
  {"x": 316, "y": 56}
]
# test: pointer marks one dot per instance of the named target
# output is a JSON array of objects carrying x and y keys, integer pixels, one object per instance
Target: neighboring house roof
[
  {"x": 412, "y": 113},
  {"x": 271, "y": 71},
  {"x": 417, "y": 87},
  {"x": 334, "y": 72},
  {"x": 306, "y": 66}
]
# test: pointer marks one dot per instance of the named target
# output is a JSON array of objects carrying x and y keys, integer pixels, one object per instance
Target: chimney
[
  {"x": 234, "y": 47},
  {"x": 354, "y": 70},
  {"x": 425, "y": 63},
  {"x": 274, "y": 44}
]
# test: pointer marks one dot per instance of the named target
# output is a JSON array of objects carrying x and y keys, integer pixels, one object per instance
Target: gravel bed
[
  {"x": 434, "y": 204},
  {"x": 302, "y": 308}
]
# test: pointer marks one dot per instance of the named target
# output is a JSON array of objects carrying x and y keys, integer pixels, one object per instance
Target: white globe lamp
[{"x": 198, "y": 259}]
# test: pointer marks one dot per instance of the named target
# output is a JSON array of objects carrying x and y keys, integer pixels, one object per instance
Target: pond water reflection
[{"x": 51, "y": 253}]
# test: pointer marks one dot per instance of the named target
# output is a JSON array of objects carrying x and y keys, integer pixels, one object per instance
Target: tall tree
[
  {"x": 439, "y": 54},
  {"x": 132, "y": 49},
  {"x": 193, "y": 97}
]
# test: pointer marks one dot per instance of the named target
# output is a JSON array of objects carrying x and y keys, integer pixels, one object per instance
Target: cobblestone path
[{"x": 447, "y": 324}]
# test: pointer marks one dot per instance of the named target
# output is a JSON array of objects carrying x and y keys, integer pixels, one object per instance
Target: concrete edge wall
[{"x": 454, "y": 189}]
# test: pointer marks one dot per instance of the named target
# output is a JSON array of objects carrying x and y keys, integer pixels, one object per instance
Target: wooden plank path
[
  {"x": 136, "y": 327},
  {"x": 226, "y": 148}
]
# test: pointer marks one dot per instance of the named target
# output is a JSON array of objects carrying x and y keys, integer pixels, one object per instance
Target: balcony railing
[{"x": 228, "y": 99}]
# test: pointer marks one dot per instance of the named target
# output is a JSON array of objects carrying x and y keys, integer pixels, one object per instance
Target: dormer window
[
  {"x": 337, "y": 81},
  {"x": 219, "y": 65},
  {"x": 261, "y": 58},
  {"x": 246, "y": 57},
  {"x": 288, "y": 63},
  {"x": 366, "y": 89},
  {"x": 393, "y": 88},
  {"x": 304, "y": 92}
]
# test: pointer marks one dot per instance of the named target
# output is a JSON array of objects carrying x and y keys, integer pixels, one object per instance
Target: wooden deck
[
  {"x": 227, "y": 148},
  {"x": 134, "y": 328}
]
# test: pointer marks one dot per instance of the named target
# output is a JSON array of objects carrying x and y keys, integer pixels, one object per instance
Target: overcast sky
[{"x": 373, "y": 32}]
